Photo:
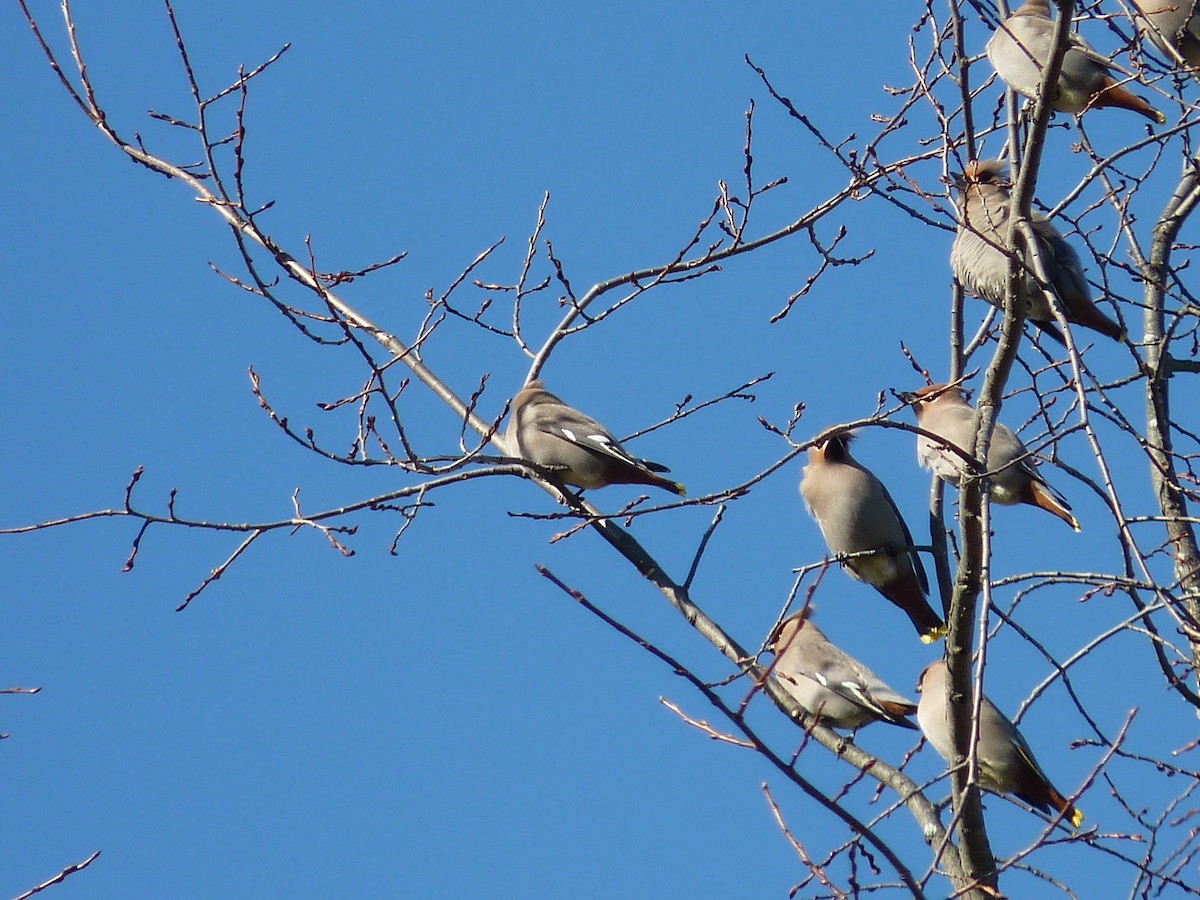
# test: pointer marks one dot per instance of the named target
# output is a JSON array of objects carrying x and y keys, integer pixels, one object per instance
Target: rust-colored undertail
[
  {"x": 905, "y": 592},
  {"x": 1081, "y": 310},
  {"x": 1041, "y": 794},
  {"x": 626, "y": 473},
  {"x": 1037, "y": 494},
  {"x": 1115, "y": 94}
]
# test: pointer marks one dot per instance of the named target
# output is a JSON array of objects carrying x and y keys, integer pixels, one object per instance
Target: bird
[
  {"x": 576, "y": 448},
  {"x": 979, "y": 256},
  {"x": 1023, "y": 45},
  {"x": 855, "y": 514},
  {"x": 830, "y": 683},
  {"x": 943, "y": 410},
  {"x": 1006, "y": 764},
  {"x": 1174, "y": 26}
]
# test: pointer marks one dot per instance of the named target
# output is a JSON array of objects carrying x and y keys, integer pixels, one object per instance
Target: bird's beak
[{"x": 907, "y": 397}]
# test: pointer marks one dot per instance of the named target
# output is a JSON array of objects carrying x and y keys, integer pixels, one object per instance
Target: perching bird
[
  {"x": 980, "y": 262},
  {"x": 856, "y": 513},
  {"x": 576, "y": 448},
  {"x": 1174, "y": 25},
  {"x": 1022, "y": 46},
  {"x": 1006, "y": 764},
  {"x": 830, "y": 683},
  {"x": 944, "y": 410}
]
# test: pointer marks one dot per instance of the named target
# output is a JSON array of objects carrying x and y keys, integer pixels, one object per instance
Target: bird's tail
[
  {"x": 1062, "y": 805},
  {"x": 1051, "y": 329},
  {"x": 1043, "y": 496},
  {"x": 675, "y": 488},
  {"x": 665, "y": 483},
  {"x": 643, "y": 471},
  {"x": 906, "y": 593},
  {"x": 1114, "y": 94},
  {"x": 898, "y": 713},
  {"x": 1089, "y": 316}
]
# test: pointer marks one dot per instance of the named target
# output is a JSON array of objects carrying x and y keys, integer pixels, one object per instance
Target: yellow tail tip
[
  {"x": 935, "y": 634},
  {"x": 1077, "y": 818},
  {"x": 1160, "y": 118}
]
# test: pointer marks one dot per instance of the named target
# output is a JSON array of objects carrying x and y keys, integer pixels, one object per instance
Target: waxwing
[
  {"x": 576, "y": 448},
  {"x": 1023, "y": 44},
  {"x": 981, "y": 264},
  {"x": 830, "y": 683},
  {"x": 1006, "y": 764},
  {"x": 1174, "y": 26},
  {"x": 943, "y": 410},
  {"x": 856, "y": 514}
]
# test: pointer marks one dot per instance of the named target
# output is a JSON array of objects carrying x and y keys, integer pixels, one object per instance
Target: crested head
[
  {"x": 802, "y": 615},
  {"x": 835, "y": 448},
  {"x": 537, "y": 386},
  {"x": 932, "y": 677},
  {"x": 931, "y": 393},
  {"x": 533, "y": 390},
  {"x": 930, "y": 390},
  {"x": 787, "y": 631},
  {"x": 1034, "y": 8},
  {"x": 985, "y": 171}
]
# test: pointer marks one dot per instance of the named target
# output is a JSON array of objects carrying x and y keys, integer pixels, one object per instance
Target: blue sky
[{"x": 442, "y": 721}]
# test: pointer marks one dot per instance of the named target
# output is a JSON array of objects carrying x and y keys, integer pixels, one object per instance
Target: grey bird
[
  {"x": 1024, "y": 43},
  {"x": 856, "y": 513},
  {"x": 1006, "y": 764},
  {"x": 576, "y": 448},
  {"x": 943, "y": 410},
  {"x": 980, "y": 261},
  {"x": 1173, "y": 25},
  {"x": 830, "y": 683}
]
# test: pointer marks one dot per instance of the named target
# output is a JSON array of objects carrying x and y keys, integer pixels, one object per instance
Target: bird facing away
[
  {"x": 576, "y": 448},
  {"x": 1174, "y": 26},
  {"x": 856, "y": 514},
  {"x": 1023, "y": 45},
  {"x": 830, "y": 683},
  {"x": 1006, "y": 764},
  {"x": 943, "y": 410},
  {"x": 980, "y": 261}
]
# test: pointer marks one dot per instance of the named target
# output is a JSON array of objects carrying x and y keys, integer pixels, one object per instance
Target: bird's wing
[
  {"x": 922, "y": 578},
  {"x": 1076, "y": 42},
  {"x": 1062, "y": 262},
  {"x": 849, "y": 686},
  {"x": 588, "y": 434}
]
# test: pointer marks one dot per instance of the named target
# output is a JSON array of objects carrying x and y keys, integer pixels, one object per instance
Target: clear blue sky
[{"x": 443, "y": 722}]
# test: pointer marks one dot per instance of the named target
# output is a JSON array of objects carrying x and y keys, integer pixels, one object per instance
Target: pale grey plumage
[
  {"x": 1023, "y": 45},
  {"x": 830, "y": 683},
  {"x": 1006, "y": 763},
  {"x": 856, "y": 513},
  {"x": 981, "y": 264},
  {"x": 943, "y": 410},
  {"x": 575, "y": 447},
  {"x": 1174, "y": 26}
]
